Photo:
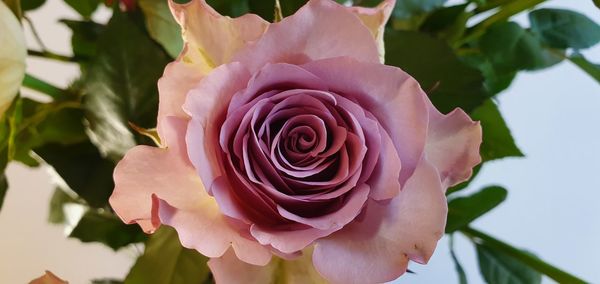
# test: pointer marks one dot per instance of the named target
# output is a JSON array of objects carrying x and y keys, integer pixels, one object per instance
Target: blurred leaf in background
[
  {"x": 120, "y": 85},
  {"x": 166, "y": 261}
]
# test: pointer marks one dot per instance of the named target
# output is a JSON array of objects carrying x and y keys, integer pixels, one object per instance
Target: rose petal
[
  {"x": 391, "y": 95},
  {"x": 212, "y": 39},
  {"x": 320, "y": 29},
  {"x": 180, "y": 198},
  {"x": 207, "y": 106},
  {"x": 12, "y": 57},
  {"x": 377, "y": 248},
  {"x": 375, "y": 20},
  {"x": 177, "y": 80},
  {"x": 228, "y": 269},
  {"x": 453, "y": 142}
]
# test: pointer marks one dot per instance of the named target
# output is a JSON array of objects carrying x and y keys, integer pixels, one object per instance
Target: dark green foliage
[
  {"x": 449, "y": 82},
  {"x": 83, "y": 169},
  {"x": 107, "y": 229},
  {"x": 28, "y": 5},
  {"x": 498, "y": 268},
  {"x": 166, "y": 261},
  {"x": 120, "y": 85},
  {"x": 84, "y": 7},
  {"x": 564, "y": 28},
  {"x": 463, "y": 210},
  {"x": 497, "y": 140}
]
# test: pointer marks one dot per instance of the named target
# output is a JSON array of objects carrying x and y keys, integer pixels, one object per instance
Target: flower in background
[
  {"x": 12, "y": 57},
  {"x": 293, "y": 139}
]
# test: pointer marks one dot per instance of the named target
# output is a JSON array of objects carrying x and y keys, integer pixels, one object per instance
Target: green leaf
[
  {"x": 405, "y": 9},
  {"x": 462, "y": 276},
  {"x": 463, "y": 210},
  {"x": 83, "y": 169},
  {"x": 15, "y": 7},
  {"x": 597, "y": 3},
  {"x": 590, "y": 68},
  {"x": 510, "y": 47},
  {"x": 120, "y": 85},
  {"x": 107, "y": 229},
  {"x": 521, "y": 256},
  {"x": 3, "y": 186},
  {"x": 106, "y": 281},
  {"x": 56, "y": 210},
  {"x": 84, "y": 7},
  {"x": 448, "y": 23},
  {"x": 499, "y": 268},
  {"x": 166, "y": 261},
  {"x": 449, "y": 82},
  {"x": 84, "y": 39},
  {"x": 28, "y": 5},
  {"x": 497, "y": 141},
  {"x": 564, "y": 28},
  {"x": 162, "y": 26}
]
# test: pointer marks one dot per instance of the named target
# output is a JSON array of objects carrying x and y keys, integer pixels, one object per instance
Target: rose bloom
[
  {"x": 12, "y": 57},
  {"x": 293, "y": 140}
]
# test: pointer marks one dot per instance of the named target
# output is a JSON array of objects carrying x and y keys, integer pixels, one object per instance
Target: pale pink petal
[
  {"x": 152, "y": 182},
  {"x": 390, "y": 94},
  {"x": 377, "y": 247},
  {"x": 453, "y": 142},
  {"x": 212, "y": 39},
  {"x": 229, "y": 270},
  {"x": 207, "y": 105},
  {"x": 320, "y": 29},
  {"x": 375, "y": 20},
  {"x": 294, "y": 239},
  {"x": 177, "y": 80},
  {"x": 384, "y": 179}
]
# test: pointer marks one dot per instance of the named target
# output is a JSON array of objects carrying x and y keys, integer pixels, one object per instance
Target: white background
[{"x": 553, "y": 207}]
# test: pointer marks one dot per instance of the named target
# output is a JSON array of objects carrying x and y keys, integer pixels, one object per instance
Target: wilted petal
[
  {"x": 375, "y": 19},
  {"x": 453, "y": 142},
  {"x": 377, "y": 248},
  {"x": 320, "y": 29},
  {"x": 228, "y": 269},
  {"x": 211, "y": 38},
  {"x": 152, "y": 182},
  {"x": 48, "y": 278},
  {"x": 12, "y": 57}
]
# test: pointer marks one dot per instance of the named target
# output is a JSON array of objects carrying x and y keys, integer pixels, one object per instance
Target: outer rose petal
[
  {"x": 377, "y": 248},
  {"x": 453, "y": 142},
  {"x": 207, "y": 104},
  {"x": 320, "y": 29},
  {"x": 153, "y": 181},
  {"x": 12, "y": 57},
  {"x": 229, "y": 270},
  {"x": 48, "y": 278},
  {"x": 375, "y": 19},
  {"x": 212, "y": 39},
  {"x": 177, "y": 80}
]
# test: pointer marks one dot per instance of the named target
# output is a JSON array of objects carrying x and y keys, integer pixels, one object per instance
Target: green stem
[
  {"x": 532, "y": 261},
  {"x": 506, "y": 12},
  {"x": 36, "y": 84},
  {"x": 51, "y": 55}
]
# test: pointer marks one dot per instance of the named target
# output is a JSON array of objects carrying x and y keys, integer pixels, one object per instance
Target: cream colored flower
[{"x": 12, "y": 57}]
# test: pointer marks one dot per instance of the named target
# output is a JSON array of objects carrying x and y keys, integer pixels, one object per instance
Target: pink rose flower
[{"x": 293, "y": 137}]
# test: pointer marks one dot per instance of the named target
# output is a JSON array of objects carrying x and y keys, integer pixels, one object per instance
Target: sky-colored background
[{"x": 553, "y": 206}]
